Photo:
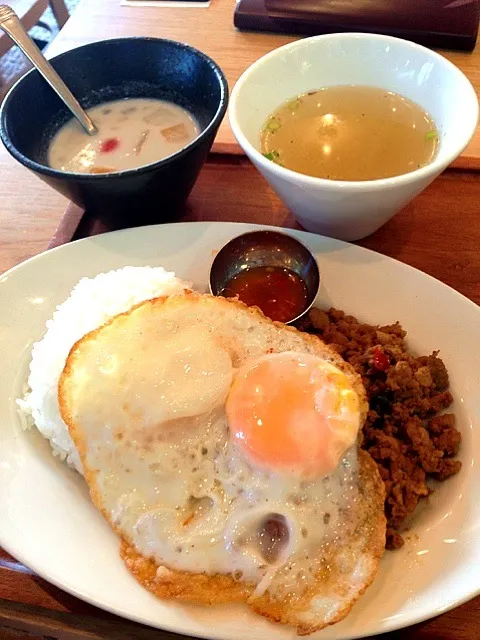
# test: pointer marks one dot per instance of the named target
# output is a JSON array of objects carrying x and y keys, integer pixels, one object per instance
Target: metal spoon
[{"x": 10, "y": 23}]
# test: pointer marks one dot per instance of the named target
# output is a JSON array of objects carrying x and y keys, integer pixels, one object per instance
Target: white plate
[{"x": 48, "y": 522}]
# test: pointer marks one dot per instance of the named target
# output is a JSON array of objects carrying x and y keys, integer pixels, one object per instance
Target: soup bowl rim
[
  {"x": 66, "y": 175},
  {"x": 430, "y": 170}
]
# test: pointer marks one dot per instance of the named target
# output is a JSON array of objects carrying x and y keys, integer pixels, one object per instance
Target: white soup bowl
[{"x": 350, "y": 210}]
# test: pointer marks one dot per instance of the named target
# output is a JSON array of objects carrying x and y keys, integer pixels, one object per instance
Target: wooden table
[{"x": 438, "y": 233}]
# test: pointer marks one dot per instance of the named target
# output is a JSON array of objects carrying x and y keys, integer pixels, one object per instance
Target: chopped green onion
[
  {"x": 273, "y": 125},
  {"x": 294, "y": 104},
  {"x": 272, "y": 155},
  {"x": 431, "y": 135}
]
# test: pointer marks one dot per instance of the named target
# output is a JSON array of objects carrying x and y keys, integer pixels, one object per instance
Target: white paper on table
[{"x": 163, "y": 3}]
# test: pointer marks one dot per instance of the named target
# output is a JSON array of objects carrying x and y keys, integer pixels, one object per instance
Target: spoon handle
[{"x": 12, "y": 26}]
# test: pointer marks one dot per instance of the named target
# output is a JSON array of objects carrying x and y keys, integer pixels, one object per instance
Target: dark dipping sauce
[{"x": 279, "y": 292}]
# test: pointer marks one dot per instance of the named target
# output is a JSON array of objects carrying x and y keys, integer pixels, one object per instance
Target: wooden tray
[{"x": 439, "y": 233}]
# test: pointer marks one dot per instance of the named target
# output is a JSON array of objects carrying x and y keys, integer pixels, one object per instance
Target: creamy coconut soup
[{"x": 131, "y": 133}]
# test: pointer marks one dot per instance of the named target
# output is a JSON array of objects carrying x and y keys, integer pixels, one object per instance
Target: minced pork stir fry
[{"x": 403, "y": 433}]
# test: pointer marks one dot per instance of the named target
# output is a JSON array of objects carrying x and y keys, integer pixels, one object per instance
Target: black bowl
[{"x": 110, "y": 70}]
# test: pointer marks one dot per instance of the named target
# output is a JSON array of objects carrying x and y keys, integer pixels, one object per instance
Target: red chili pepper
[
  {"x": 380, "y": 360},
  {"x": 108, "y": 145}
]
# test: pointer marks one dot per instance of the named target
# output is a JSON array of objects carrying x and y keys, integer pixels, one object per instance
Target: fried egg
[
  {"x": 221, "y": 447},
  {"x": 293, "y": 412}
]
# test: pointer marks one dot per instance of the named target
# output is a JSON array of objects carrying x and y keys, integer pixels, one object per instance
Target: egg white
[{"x": 144, "y": 398}]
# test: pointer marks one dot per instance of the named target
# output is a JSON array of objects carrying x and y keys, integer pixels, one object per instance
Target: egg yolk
[{"x": 293, "y": 413}]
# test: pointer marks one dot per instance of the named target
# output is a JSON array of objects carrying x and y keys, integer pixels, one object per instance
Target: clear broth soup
[
  {"x": 131, "y": 133},
  {"x": 350, "y": 133}
]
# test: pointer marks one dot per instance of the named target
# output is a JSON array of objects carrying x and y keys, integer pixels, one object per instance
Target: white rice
[{"x": 91, "y": 303}]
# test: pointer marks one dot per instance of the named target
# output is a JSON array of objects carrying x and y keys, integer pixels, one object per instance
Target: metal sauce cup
[{"x": 266, "y": 249}]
